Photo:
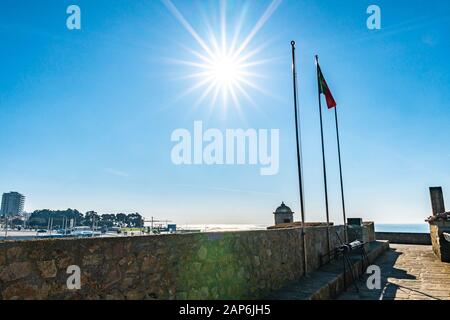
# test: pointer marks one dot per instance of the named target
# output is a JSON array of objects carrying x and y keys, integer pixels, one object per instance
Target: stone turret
[{"x": 283, "y": 214}]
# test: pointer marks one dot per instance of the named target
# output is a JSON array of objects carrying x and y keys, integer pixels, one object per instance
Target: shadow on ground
[{"x": 396, "y": 283}]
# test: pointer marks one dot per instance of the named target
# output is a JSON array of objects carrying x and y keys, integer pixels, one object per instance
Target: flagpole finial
[{"x": 292, "y": 43}]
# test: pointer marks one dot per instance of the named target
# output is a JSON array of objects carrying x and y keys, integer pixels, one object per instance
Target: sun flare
[
  {"x": 225, "y": 70},
  {"x": 223, "y": 67}
]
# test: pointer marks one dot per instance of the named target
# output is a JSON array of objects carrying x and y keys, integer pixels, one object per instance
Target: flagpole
[
  {"x": 340, "y": 173},
  {"x": 323, "y": 156},
  {"x": 299, "y": 158}
]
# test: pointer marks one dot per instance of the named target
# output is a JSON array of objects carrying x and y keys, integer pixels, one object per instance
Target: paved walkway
[
  {"x": 328, "y": 281},
  {"x": 408, "y": 272}
]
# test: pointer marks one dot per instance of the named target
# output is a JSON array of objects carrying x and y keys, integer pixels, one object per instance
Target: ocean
[
  {"x": 223, "y": 227},
  {"x": 409, "y": 228}
]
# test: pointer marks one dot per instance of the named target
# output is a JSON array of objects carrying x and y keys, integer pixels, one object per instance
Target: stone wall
[
  {"x": 404, "y": 238},
  {"x": 441, "y": 247},
  {"x": 365, "y": 233},
  {"x": 369, "y": 226},
  {"x": 317, "y": 245},
  {"x": 231, "y": 265}
]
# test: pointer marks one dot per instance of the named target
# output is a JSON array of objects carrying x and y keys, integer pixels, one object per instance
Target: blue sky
[{"x": 86, "y": 115}]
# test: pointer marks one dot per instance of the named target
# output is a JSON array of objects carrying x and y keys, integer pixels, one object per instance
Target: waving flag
[{"x": 323, "y": 88}]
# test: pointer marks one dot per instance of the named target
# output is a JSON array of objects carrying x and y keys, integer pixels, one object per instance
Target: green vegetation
[{"x": 40, "y": 219}]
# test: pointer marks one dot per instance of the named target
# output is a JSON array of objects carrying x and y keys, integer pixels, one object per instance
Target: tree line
[{"x": 62, "y": 218}]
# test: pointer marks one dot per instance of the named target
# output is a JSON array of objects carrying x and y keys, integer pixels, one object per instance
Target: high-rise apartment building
[{"x": 12, "y": 203}]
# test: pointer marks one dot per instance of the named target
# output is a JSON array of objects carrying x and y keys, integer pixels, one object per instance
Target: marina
[{"x": 89, "y": 232}]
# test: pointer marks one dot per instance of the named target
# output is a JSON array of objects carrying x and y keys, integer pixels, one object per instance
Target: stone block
[
  {"x": 15, "y": 271},
  {"x": 441, "y": 247},
  {"x": 47, "y": 268},
  {"x": 437, "y": 200},
  {"x": 14, "y": 254},
  {"x": 93, "y": 260},
  {"x": 20, "y": 291}
]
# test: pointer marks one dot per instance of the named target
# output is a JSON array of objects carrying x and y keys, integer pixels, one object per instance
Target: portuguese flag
[{"x": 323, "y": 88}]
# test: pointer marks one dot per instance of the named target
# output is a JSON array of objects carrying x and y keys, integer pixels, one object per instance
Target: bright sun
[
  {"x": 223, "y": 67},
  {"x": 225, "y": 71}
]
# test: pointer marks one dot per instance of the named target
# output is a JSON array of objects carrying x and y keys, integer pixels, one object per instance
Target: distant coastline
[
  {"x": 211, "y": 227},
  {"x": 384, "y": 227}
]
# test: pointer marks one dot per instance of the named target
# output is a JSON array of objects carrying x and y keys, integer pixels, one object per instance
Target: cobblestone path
[{"x": 408, "y": 272}]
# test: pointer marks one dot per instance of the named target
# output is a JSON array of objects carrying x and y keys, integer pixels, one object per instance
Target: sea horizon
[
  {"x": 403, "y": 227},
  {"x": 382, "y": 227}
]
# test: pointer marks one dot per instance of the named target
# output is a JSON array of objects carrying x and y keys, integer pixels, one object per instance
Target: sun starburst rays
[{"x": 223, "y": 68}]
